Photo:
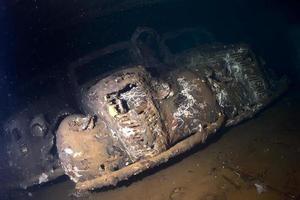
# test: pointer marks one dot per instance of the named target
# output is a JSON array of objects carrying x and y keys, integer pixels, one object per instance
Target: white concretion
[
  {"x": 68, "y": 151},
  {"x": 43, "y": 178}
]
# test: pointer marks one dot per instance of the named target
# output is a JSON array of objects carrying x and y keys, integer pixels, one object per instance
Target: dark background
[{"x": 38, "y": 38}]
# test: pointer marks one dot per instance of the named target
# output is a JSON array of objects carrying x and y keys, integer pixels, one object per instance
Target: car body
[
  {"x": 29, "y": 152},
  {"x": 158, "y": 106},
  {"x": 173, "y": 99}
]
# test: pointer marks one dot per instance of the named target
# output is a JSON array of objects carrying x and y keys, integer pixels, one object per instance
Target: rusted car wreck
[
  {"x": 137, "y": 119},
  {"x": 155, "y": 105}
]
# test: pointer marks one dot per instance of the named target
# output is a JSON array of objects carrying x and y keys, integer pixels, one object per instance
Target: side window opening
[
  {"x": 102, "y": 65},
  {"x": 187, "y": 40},
  {"x": 16, "y": 134}
]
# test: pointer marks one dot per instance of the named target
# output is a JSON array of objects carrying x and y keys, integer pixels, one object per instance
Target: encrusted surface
[
  {"x": 29, "y": 144},
  {"x": 234, "y": 75},
  {"x": 151, "y": 119},
  {"x": 85, "y": 148},
  {"x": 192, "y": 106},
  {"x": 125, "y": 101}
]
